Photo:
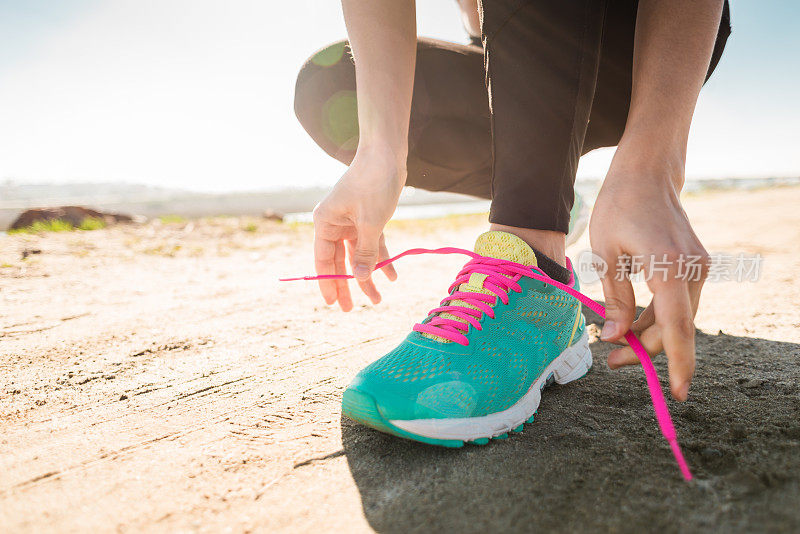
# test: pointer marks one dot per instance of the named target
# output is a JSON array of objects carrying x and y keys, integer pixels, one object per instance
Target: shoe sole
[{"x": 570, "y": 365}]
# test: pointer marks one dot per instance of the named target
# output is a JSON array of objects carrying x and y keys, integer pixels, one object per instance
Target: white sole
[{"x": 572, "y": 364}]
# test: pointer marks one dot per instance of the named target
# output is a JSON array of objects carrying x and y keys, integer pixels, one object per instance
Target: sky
[{"x": 197, "y": 94}]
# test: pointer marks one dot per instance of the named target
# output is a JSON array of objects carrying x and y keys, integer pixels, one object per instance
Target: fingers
[
  {"x": 329, "y": 256},
  {"x": 645, "y": 320},
  {"x": 383, "y": 254},
  {"x": 695, "y": 288},
  {"x": 342, "y": 289},
  {"x": 675, "y": 319},
  {"x": 651, "y": 341},
  {"x": 620, "y": 307},
  {"x": 365, "y": 255},
  {"x": 367, "y": 286},
  {"x": 673, "y": 332},
  {"x": 324, "y": 253},
  {"x": 667, "y": 324},
  {"x": 369, "y": 289}
]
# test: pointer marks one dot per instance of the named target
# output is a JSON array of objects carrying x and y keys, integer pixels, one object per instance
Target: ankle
[{"x": 548, "y": 242}]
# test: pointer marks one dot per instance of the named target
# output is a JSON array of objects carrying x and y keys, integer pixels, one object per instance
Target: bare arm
[
  {"x": 672, "y": 51},
  {"x": 638, "y": 211},
  {"x": 349, "y": 221},
  {"x": 383, "y": 37}
]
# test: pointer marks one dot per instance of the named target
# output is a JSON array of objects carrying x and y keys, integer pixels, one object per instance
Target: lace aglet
[{"x": 678, "y": 454}]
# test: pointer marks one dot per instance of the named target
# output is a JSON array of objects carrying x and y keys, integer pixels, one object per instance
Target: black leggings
[{"x": 559, "y": 75}]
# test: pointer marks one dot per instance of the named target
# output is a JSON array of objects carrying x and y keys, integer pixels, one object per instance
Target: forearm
[
  {"x": 383, "y": 38},
  {"x": 672, "y": 51}
]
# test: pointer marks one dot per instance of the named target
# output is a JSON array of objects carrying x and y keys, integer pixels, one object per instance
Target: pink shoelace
[{"x": 502, "y": 276}]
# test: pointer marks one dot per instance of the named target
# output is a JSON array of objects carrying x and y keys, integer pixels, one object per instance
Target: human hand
[
  {"x": 351, "y": 219},
  {"x": 638, "y": 215}
]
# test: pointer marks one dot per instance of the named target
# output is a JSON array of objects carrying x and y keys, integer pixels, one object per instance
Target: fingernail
[
  {"x": 361, "y": 272},
  {"x": 608, "y": 331}
]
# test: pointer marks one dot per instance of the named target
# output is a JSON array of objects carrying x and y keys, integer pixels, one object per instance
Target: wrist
[
  {"x": 656, "y": 138},
  {"x": 640, "y": 156},
  {"x": 387, "y": 142},
  {"x": 384, "y": 147},
  {"x": 386, "y": 162}
]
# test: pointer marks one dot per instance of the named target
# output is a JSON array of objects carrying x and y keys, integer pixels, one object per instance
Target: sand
[{"x": 159, "y": 377}]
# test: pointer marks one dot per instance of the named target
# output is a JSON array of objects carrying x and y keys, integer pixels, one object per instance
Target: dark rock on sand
[
  {"x": 272, "y": 215},
  {"x": 75, "y": 215}
]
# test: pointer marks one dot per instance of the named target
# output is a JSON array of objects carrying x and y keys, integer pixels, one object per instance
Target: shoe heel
[{"x": 574, "y": 362}]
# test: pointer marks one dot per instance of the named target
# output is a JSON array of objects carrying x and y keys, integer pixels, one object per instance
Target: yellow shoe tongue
[
  {"x": 500, "y": 245},
  {"x": 505, "y": 246}
]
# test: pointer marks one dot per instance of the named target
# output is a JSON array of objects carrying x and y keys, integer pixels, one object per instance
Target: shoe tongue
[
  {"x": 500, "y": 245},
  {"x": 505, "y": 246}
]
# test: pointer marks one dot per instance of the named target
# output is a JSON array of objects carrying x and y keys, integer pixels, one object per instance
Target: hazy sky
[{"x": 198, "y": 93}]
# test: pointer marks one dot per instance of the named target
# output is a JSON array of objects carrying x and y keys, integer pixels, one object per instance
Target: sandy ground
[{"x": 159, "y": 377}]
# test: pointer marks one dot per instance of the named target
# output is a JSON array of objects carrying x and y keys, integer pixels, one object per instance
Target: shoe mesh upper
[{"x": 423, "y": 378}]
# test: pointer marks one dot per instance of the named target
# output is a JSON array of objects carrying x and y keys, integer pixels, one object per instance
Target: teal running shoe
[{"x": 474, "y": 369}]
